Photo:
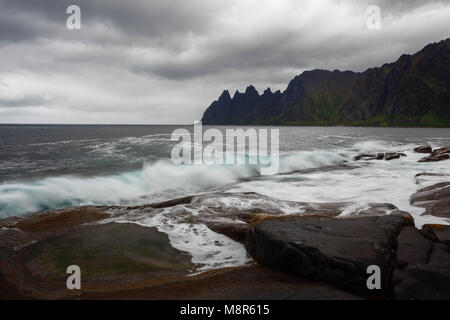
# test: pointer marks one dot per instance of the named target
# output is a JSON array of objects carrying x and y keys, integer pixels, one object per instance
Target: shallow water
[{"x": 52, "y": 167}]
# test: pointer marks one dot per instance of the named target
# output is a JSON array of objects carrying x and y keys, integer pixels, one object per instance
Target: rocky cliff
[{"x": 413, "y": 91}]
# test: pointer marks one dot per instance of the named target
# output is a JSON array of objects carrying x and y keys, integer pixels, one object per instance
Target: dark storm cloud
[
  {"x": 150, "y": 61},
  {"x": 304, "y": 48},
  {"x": 134, "y": 18}
]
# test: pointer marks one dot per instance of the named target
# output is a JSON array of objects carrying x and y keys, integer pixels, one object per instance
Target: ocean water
[{"x": 46, "y": 167}]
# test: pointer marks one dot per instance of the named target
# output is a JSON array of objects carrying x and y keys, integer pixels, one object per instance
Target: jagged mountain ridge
[{"x": 412, "y": 91}]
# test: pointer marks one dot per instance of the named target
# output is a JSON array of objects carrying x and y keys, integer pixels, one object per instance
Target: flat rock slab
[
  {"x": 438, "y": 232},
  {"x": 380, "y": 156},
  {"x": 109, "y": 255},
  {"x": 444, "y": 150},
  {"x": 337, "y": 251},
  {"x": 435, "y": 158},
  {"x": 435, "y": 199},
  {"x": 437, "y": 155},
  {"x": 423, "y": 149},
  {"x": 412, "y": 248},
  {"x": 425, "y": 281},
  {"x": 436, "y": 191},
  {"x": 242, "y": 283}
]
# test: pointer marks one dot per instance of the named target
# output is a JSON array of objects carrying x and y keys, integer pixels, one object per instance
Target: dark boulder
[
  {"x": 423, "y": 149},
  {"x": 338, "y": 251},
  {"x": 438, "y": 232},
  {"x": 445, "y": 150},
  {"x": 439, "y": 208},
  {"x": 111, "y": 256},
  {"x": 435, "y": 158},
  {"x": 412, "y": 248},
  {"x": 380, "y": 156},
  {"x": 435, "y": 199},
  {"x": 425, "y": 281},
  {"x": 436, "y": 191},
  {"x": 235, "y": 231},
  {"x": 393, "y": 155},
  {"x": 431, "y": 174},
  {"x": 422, "y": 268}
]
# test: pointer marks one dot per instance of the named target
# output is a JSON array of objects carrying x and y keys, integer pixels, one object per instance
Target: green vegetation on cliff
[{"x": 411, "y": 92}]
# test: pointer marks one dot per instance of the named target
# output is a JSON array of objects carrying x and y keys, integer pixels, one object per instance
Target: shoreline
[{"x": 314, "y": 252}]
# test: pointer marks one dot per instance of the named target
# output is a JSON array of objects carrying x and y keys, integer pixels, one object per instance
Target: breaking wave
[{"x": 154, "y": 182}]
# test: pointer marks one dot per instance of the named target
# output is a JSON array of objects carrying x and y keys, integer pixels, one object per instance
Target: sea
[{"x": 52, "y": 167}]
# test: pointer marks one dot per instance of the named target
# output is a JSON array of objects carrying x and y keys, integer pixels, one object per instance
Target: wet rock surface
[
  {"x": 109, "y": 255},
  {"x": 437, "y": 155},
  {"x": 338, "y": 251},
  {"x": 435, "y": 158},
  {"x": 444, "y": 150},
  {"x": 435, "y": 199},
  {"x": 437, "y": 232},
  {"x": 423, "y": 149},
  {"x": 393, "y": 155},
  {"x": 424, "y": 280},
  {"x": 242, "y": 283},
  {"x": 380, "y": 156}
]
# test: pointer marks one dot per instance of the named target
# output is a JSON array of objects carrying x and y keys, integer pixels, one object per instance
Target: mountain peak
[
  {"x": 251, "y": 90},
  {"x": 412, "y": 91},
  {"x": 225, "y": 96},
  {"x": 267, "y": 91}
]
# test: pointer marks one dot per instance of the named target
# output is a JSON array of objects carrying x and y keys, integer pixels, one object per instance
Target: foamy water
[{"x": 30, "y": 185}]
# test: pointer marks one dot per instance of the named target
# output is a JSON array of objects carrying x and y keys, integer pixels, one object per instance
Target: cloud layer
[{"x": 164, "y": 61}]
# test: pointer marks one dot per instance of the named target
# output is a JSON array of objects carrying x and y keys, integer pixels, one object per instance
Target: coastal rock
[
  {"x": 337, "y": 251},
  {"x": 235, "y": 231},
  {"x": 380, "y": 156},
  {"x": 435, "y": 199},
  {"x": 430, "y": 177},
  {"x": 230, "y": 214},
  {"x": 431, "y": 174},
  {"x": 423, "y": 149},
  {"x": 435, "y": 158},
  {"x": 439, "y": 208},
  {"x": 436, "y": 191},
  {"x": 438, "y": 232},
  {"x": 34, "y": 227},
  {"x": 394, "y": 155},
  {"x": 445, "y": 150},
  {"x": 111, "y": 255},
  {"x": 165, "y": 204},
  {"x": 252, "y": 282},
  {"x": 412, "y": 248},
  {"x": 425, "y": 280}
]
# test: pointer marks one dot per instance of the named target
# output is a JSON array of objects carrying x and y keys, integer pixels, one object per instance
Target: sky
[{"x": 165, "y": 61}]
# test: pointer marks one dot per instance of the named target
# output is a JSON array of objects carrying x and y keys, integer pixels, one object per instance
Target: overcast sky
[{"x": 165, "y": 61}]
